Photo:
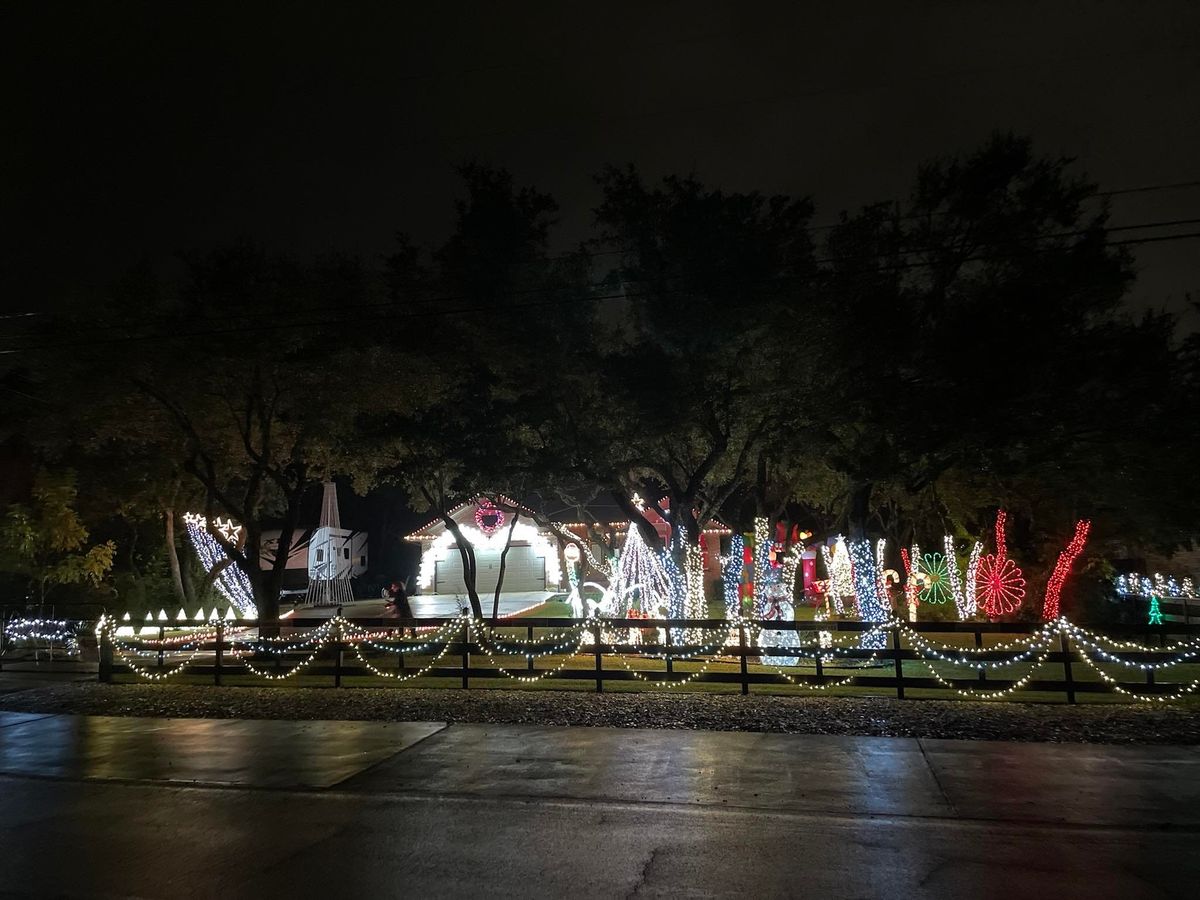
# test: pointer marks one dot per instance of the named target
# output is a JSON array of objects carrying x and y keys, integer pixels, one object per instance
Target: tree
[
  {"x": 500, "y": 372},
  {"x": 246, "y": 380},
  {"x": 700, "y": 373},
  {"x": 45, "y": 543},
  {"x": 981, "y": 353}
]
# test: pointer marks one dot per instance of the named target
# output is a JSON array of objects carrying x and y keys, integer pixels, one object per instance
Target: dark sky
[{"x": 144, "y": 129}]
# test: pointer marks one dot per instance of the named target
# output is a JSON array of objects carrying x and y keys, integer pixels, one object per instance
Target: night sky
[{"x": 140, "y": 130}]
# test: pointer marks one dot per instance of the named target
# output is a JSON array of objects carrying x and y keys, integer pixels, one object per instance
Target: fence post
[
  {"x": 667, "y": 651},
  {"x": 529, "y": 656},
  {"x": 1067, "y": 676},
  {"x": 899, "y": 663},
  {"x": 742, "y": 649},
  {"x": 162, "y": 636},
  {"x": 466, "y": 651},
  {"x": 599, "y": 661},
  {"x": 979, "y": 646},
  {"x": 337, "y": 654},
  {"x": 106, "y": 655},
  {"x": 217, "y": 663}
]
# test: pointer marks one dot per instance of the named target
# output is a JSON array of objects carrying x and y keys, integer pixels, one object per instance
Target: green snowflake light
[{"x": 937, "y": 587}]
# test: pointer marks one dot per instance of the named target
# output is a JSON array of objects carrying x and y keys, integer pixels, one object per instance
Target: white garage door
[{"x": 523, "y": 571}]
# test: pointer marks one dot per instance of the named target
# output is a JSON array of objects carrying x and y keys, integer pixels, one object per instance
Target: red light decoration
[
  {"x": 1062, "y": 568},
  {"x": 488, "y": 517},
  {"x": 999, "y": 581}
]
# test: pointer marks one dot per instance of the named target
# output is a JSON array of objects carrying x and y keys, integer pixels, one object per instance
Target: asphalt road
[{"x": 121, "y": 807}]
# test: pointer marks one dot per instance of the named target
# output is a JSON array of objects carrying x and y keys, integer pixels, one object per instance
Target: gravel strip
[{"x": 1008, "y": 721}]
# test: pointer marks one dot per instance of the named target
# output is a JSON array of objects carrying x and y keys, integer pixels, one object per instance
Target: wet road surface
[{"x": 106, "y": 806}]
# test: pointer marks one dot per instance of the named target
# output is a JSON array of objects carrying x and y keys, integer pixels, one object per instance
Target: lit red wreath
[{"x": 488, "y": 517}]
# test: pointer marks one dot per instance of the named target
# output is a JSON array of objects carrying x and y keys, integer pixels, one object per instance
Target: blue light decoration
[
  {"x": 866, "y": 592},
  {"x": 731, "y": 576}
]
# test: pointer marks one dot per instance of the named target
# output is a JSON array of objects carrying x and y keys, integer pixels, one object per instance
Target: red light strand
[{"x": 1062, "y": 568}]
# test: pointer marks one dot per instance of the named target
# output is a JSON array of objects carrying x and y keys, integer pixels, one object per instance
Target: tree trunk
[
  {"x": 516, "y": 514},
  {"x": 467, "y": 551},
  {"x": 173, "y": 557},
  {"x": 860, "y": 508}
]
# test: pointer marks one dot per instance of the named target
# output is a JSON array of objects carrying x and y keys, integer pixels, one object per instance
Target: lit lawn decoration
[
  {"x": 42, "y": 634},
  {"x": 731, "y": 576},
  {"x": 1062, "y": 568},
  {"x": 231, "y": 582},
  {"x": 640, "y": 579},
  {"x": 840, "y": 581},
  {"x": 780, "y": 604},
  {"x": 999, "y": 582},
  {"x": 937, "y": 579},
  {"x": 866, "y": 592},
  {"x": 953, "y": 579},
  {"x": 1156, "y": 617}
]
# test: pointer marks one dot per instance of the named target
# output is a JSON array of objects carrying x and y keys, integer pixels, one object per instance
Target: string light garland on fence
[
  {"x": 30, "y": 632},
  {"x": 1062, "y": 568},
  {"x": 1093, "y": 649}
]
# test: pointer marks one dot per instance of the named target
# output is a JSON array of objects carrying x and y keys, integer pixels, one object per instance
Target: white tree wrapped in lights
[
  {"x": 840, "y": 581},
  {"x": 639, "y": 578},
  {"x": 866, "y": 592}
]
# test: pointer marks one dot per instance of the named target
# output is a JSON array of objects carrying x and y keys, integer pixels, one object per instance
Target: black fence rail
[{"x": 461, "y": 652}]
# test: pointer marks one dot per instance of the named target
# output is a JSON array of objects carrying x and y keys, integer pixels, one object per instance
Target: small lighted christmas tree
[{"x": 1155, "y": 613}]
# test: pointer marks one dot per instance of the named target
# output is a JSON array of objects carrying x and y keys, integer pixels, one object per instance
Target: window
[
  {"x": 320, "y": 555},
  {"x": 346, "y": 553},
  {"x": 362, "y": 561}
]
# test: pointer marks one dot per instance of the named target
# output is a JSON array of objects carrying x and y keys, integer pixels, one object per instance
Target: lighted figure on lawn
[
  {"x": 230, "y": 581},
  {"x": 776, "y": 597},
  {"x": 731, "y": 576},
  {"x": 639, "y": 581},
  {"x": 937, "y": 580},
  {"x": 1156, "y": 616},
  {"x": 840, "y": 582},
  {"x": 1000, "y": 583}
]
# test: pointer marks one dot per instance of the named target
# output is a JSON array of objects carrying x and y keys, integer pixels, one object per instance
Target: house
[{"x": 532, "y": 563}]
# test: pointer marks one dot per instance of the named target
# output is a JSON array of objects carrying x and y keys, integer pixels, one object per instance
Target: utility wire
[
  {"x": 601, "y": 285},
  {"x": 493, "y": 309}
]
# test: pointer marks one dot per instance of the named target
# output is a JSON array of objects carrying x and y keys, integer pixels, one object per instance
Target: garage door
[{"x": 523, "y": 571}]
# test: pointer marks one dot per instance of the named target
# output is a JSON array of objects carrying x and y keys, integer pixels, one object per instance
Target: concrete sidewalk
[{"x": 172, "y": 808}]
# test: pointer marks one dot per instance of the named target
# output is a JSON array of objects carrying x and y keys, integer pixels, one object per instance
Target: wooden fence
[{"x": 882, "y": 667}]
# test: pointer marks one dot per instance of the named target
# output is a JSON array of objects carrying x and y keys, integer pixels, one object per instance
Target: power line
[
  {"x": 251, "y": 315},
  {"x": 492, "y": 309}
]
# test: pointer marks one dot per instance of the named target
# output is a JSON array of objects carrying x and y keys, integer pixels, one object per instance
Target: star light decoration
[
  {"x": 233, "y": 583},
  {"x": 1000, "y": 583}
]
